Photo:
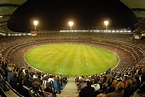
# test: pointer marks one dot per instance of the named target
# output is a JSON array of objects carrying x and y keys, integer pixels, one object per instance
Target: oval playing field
[{"x": 71, "y": 59}]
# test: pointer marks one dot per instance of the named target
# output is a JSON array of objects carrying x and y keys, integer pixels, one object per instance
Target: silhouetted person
[
  {"x": 128, "y": 88},
  {"x": 14, "y": 81},
  {"x": 143, "y": 75},
  {"x": 87, "y": 91},
  {"x": 119, "y": 91}
]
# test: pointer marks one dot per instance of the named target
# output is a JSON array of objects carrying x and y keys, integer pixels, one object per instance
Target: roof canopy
[{"x": 54, "y": 14}]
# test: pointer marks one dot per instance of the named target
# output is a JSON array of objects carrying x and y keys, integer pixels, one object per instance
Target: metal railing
[
  {"x": 2, "y": 93},
  {"x": 13, "y": 89}
]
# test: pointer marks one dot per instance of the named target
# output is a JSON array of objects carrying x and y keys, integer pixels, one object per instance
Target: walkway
[
  {"x": 70, "y": 90},
  {"x": 10, "y": 93}
]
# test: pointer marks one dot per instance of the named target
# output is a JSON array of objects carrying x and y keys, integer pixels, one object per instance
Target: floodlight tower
[
  {"x": 106, "y": 24},
  {"x": 70, "y": 23},
  {"x": 35, "y": 22}
]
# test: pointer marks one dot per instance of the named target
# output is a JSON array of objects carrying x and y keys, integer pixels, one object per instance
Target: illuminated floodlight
[
  {"x": 1, "y": 16},
  {"x": 117, "y": 30},
  {"x": 109, "y": 30},
  {"x": 121, "y": 31},
  {"x": 70, "y": 23},
  {"x": 113, "y": 31},
  {"x": 35, "y": 22},
  {"x": 106, "y": 23}
]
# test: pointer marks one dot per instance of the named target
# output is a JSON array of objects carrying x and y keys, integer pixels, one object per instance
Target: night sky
[{"x": 86, "y": 14}]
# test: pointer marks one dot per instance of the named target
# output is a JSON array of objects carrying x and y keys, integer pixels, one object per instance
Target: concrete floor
[{"x": 70, "y": 90}]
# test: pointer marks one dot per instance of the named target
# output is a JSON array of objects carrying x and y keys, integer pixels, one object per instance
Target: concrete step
[{"x": 70, "y": 90}]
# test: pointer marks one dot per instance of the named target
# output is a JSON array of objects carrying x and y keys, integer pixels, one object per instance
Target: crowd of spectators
[
  {"x": 29, "y": 82},
  {"x": 9, "y": 46},
  {"x": 118, "y": 81},
  {"x": 112, "y": 83}
]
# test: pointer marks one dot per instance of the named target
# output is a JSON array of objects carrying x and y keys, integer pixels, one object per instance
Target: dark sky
[{"x": 86, "y": 14}]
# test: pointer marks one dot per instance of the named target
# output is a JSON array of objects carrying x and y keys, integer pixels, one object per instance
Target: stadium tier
[{"x": 129, "y": 50}]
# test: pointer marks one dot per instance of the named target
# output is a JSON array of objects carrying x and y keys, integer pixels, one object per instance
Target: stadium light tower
[
  {"x": 106, "y": 24},
  {"x": 70, "y": 23},
  {"x": 35, "y": 22}
]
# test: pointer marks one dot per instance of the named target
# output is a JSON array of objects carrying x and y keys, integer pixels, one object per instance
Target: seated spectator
[
  {"x": 109, "y": 79},
  {"x": 84, "y": 84},
  {"x": 44, "y": 81},
  {"x": 1, "y": 71},
  {"x": 104, "y": 89},
  {"x": 95, "y": 85},
  {"x": 108, "y": 71},
  {"x": 9, "y": 75},
  {"x": 143, "y": 75},
  {"x": 119, "y": 91},
  {"x": 87, "y": 91},
  {"x": 36, "y": 90},
  {"x": 24, "y": 90},
  {"x": 128, "y": 88},
  {"x": 101, "y": 95},
  {"x": 56, "y": 85},
  {"x": 28, "y": 81},
  {"x": 80, "y": 83},
  {"x": 125, "y": 77},
  {"x": 113, "y": 86},
  {"x": 2, "y": 84},
  {"x": 14, "y": 81},
  {"x": 48, "y": 89},
  {"x": 136, "y": 84}
]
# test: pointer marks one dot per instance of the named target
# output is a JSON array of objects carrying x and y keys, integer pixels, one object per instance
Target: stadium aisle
[
  {"x": 10, "y": 93},
  {"x": 70, "y": 90}
]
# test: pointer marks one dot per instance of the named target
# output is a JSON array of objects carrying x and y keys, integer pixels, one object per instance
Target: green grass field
[{"x": 70, "y": 59}]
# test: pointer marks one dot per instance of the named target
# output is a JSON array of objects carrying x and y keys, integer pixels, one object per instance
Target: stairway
[{"x": 70, "y": 90}]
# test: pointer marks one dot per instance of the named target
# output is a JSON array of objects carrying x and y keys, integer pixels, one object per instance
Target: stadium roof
[
  {"x": 7, "y": 7},
  {"x": 138, "y": 8}
]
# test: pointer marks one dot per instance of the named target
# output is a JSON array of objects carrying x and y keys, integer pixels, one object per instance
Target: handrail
[
  {"x": 138, "y": 89},
  {"x": 2, "y": 92},
  {"x": 13, "y": 89}
]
